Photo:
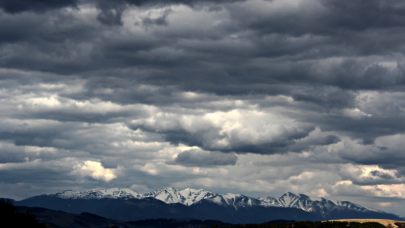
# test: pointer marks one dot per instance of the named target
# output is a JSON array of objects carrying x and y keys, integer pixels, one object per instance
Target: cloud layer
[{"x": 256, "y": 97}]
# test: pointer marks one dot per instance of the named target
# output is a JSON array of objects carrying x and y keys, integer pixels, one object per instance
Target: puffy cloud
[
  {"x": 96, "y": 170},
  {"x": 239, "y": 131}
]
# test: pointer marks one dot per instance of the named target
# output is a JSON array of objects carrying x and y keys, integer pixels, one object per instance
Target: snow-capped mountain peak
[
  {"x": 167, "y": 195},
  {"x": 187, "y": 196},
  {"x": 288, "y": 199},
  {"x": 192, "y": 196},
  {"x": 237, "y": 200}
]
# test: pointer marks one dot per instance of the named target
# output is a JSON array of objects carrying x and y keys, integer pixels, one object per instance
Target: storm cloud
[
  {"x": 247, "y": 96},
  {"x": 19, "y": 6},
  {"x": 198, "y": 158}
]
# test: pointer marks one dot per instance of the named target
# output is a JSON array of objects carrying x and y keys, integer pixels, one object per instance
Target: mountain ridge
[
  {"x": 191, "y": 196},
  {"x": 170, "y": 203}
]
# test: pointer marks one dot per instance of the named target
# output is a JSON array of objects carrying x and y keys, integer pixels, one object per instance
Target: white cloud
[
  {"x": 227, "y": 131},
  {"x": 355, "y": 113},
  {"x": 97, "y": 171}
]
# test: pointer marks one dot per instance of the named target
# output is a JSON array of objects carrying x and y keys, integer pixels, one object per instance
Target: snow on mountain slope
[
  {"x": 268, "y": 201},
  {"x": 356, "y": 207},
  {"x": 187, "y": 196},
  {"x": 167, "y": 195},
  {"x": 309, "y": 204},
  {"x": 190, "y": 196},
  {"x": 237, "y": 200},
  {"x": 115, "y": 193}
]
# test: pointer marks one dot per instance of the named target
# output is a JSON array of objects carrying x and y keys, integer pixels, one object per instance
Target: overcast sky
[{"x": 257, "y": 97}]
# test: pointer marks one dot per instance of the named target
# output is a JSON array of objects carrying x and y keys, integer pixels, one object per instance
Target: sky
[{"x": 256, "y": 97}]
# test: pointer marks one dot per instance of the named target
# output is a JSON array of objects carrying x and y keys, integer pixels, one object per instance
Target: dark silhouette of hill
[
  {"x": 279, "y": 221},
  {"x": 52, "y": 218},
  {"x": 169, "y": 223},
  {"x": 400, "y": 225},
  {"x": 10, "y": 216}
]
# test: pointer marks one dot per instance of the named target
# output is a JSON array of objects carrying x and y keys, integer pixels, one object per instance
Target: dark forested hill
[{"x": 52, "y": 218}]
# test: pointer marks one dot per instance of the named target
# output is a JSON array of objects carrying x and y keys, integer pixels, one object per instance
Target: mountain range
[{"x": 170, "y": 203}]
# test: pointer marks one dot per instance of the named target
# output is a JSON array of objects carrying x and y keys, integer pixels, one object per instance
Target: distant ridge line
[{"x": 191, "y": 196}]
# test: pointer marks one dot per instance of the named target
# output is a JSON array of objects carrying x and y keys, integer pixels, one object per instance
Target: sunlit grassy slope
[{"x": 385, "y": 222}]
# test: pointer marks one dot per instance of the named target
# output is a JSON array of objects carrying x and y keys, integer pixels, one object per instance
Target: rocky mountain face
[{"x": 125, "y": 204}]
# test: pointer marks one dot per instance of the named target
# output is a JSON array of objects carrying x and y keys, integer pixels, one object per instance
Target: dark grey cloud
[
  {"x": 18, "y": 6},
  {"x": 10, "y": 154},
  {"x": 72, "y": 136},
  {"x": 341, "y": 78},
  {"x": 306, "y": 144},
  {"x": 365, "y": 13},
  {"x": 382, "y": 175},
  {"x": 198, "y": 158},
  {"x": 207, "y": 137},
  {"x": 112, "y": 53},
  {"x": 370, "y": 155},
  {"x": 160, "y": 21},
  {"x": 185, "y": 2},
  {"x": 366, "y": 129},
  {"x": 111, "y": 11},
  {"x": 337, "y": 18},
  {"x": 329, "y": 97}
]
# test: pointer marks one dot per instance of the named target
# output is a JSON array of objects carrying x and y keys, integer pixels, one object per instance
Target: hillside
[
  {"x": 385, "y": 222},
  {"x": 52, "y": 218}
]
